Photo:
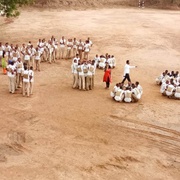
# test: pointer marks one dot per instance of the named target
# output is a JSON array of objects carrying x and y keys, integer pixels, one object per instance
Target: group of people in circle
[{"x": 169, "y": 82}]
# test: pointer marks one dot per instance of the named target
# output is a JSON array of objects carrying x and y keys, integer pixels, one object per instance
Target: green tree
[{"x": 9, "y": 8}]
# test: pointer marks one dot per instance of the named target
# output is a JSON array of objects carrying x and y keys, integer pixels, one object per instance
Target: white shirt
[
  {"x": 80, "y": 45},
  {"x": 27, "y": 55},
  {"x": 127, "y": 68},
  {"x": 26, "y": 72},
  {"x": 11, "y": 72},
  {"x": 1, "y": 50},
  {"x": 62, "y": 42},
  {"x": 87, "y": 47},
  {"x": 110, "y": 62},
  {"x": 169, "y": 90},
  {"x": 55, "y": 44},
  {"x": 41, "y": 46},
  {"x": 120, "y": 97},
  {"x": 112, "y": 94},
  {"x": 177, "y": 93},
  {"x": 69, "y": 45},
  {"x": 90, "y": 43},
  {"x": 50, "y": 48},
  {"x": 38, "y": 55},
  {"x": 102, "y": 62},
  {"x": 163, "y": 87},
  {"x": 15, "y": 55},
  {"x": 85, "y": 67},
  {"x": 90, "y": 73},
  {"x": 74, "y": 68},
  {"x": 7, "y": 50},
  {"x": 136, "y": 92},
  {"x": 139, "y": 87},
  {"x": 33, "y": 51},
  {"x": 19, "y": 67},
  {"x": 76, "y": 58},
  {"x": 113, "y": 61},
  {"x": 82, "y": 72},
  {"x": 31, "y": 73},
  {"x": 97, "y": 59},
  {"x": 75, "y": 44},
  {"x": 94, "y": 69},
  {"x": 127, "y": 99}
]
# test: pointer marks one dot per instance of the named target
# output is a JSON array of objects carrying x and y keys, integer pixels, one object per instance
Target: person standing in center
[
  {"x": 107, "y": 76},
  {"x": 127, "y": 71}
]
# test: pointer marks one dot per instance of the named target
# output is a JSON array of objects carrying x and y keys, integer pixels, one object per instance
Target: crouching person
[
  {"x": 136, "y": 95},
  {"x": 128, "y": 95},
  {"x": 120, "y": 94}
]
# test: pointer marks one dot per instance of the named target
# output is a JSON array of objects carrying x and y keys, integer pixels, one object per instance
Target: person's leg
[
  {"x": 32, "y": 61},
  {"x": 80, "y": 82},
  {"x": 13, "y": 84},
  {"x": 60, "y": 53},
  {"x": 17, "y": 80},
  {"x": 128, "y": 78},
  {"x": 87, "y": 82},
  {"x": 92, "y": 82},
  {"x": 39, "y": 65},
  {"x": 27, "y": 87},
  {"x": 73, "y": 81},
  {"x": 31, "y": 87},
  {"x": 23, "y": 88},
  {"x": 67, "y": 53},
  {"x": 76, "y": 81},
  {"x": 50, "y": 57},
  {"x": 87, "y": 55},
  {"x": 36, "y": 63},
  {"x": 55, "y": 53},
  {"x": 108, "y": 83},
  {"x": 125, "y": 77},
  {"x": 83, "y": 82},
  {"x": 10, "y": 89},
  {"x": 74, "y": 52}
]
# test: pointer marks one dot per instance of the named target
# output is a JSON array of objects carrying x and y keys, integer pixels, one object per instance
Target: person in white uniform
[
  {"x": 74, "y": 67},
  {"x": 31, "y": 80},
  {"x": 128, "y": 95},
  {"x": 12, "y": 77},
  {"x": 26, "y": 79},
  {"x": 19, "y": 69},
  {"x": 177, "y": 92},
  {"x": 62, "y": 44},
  {"x": 170, "y": 90},
  {"x": 127, "y": 68},
  {"x": 120, "y": 94}
]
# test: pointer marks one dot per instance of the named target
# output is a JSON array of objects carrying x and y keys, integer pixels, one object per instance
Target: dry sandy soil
[{"x": 65, "y": 134}]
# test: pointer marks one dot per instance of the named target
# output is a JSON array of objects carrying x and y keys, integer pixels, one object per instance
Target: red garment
[{"x": 107, "y": 76}]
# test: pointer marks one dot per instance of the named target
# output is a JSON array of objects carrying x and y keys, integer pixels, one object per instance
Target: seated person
[
  {"x": 128, "y": 95},
  {"x": 120, "y": 94},
  {"x": 177, "y": 92},
  {"x": 102, "y": 62}
]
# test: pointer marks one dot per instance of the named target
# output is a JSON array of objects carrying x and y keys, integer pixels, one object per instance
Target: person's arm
[{"x": 132, "y": 66}]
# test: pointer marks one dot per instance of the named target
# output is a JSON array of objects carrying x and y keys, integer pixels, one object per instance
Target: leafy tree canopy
[{"x": 9, "y": 8}]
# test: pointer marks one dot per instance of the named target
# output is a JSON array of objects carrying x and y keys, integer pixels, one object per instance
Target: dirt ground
[{"x": 65, "y": 134}]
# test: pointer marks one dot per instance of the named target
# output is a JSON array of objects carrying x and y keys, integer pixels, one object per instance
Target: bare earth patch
[{"x": 61, "y": 133}]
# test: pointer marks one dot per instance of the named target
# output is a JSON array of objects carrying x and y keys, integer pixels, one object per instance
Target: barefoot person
[
  {"x": 107, "y": 76},
  {"x": 127, "y": 68}
]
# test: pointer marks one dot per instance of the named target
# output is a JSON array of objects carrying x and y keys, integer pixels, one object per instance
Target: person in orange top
[{"x": 107, "y": 76}]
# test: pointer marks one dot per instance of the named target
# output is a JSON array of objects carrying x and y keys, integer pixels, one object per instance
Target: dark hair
[{"x": 127, "y": 62}]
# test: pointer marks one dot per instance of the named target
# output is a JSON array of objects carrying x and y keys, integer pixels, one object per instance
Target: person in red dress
[{"x": 107, "y": 76}]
